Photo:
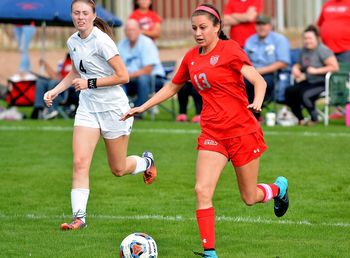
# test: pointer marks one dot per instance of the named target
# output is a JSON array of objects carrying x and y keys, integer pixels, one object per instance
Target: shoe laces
[
  {"x": 201, "y": 254},
  {"x": 79, "y": 214}
]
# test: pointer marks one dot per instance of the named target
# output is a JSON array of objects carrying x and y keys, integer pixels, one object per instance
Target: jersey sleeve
[
  {"x": 239, "y": 57},
  {"x": 182, "y": 75},
  {"x": 107, "y": 48}
]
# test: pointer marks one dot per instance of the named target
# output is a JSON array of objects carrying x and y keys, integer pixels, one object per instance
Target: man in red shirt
[
  {"x": 241, "y": 16},
  {"x": 334, "y": 27}
]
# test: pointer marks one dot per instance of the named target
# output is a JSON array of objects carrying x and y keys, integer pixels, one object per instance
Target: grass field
[{"x": 35, "y": 183}]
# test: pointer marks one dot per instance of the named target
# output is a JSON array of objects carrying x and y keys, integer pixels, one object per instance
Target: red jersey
[
  {"x": 146, "y": 20},
  {"x": 242, "y": 31},
  {"x": 218, "y": 79},
  {"x": 334, "y": 25}
]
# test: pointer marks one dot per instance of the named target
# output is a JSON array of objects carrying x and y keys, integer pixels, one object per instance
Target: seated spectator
[
  {"x": 269, "y": 53},
  {"x": 148, "y": 20},
  {"x": 183, "y": 95},
  {"x": 141, "y": 57},
  {"x": 44, "y": 84},
  {"x": 309, "y": 72}
]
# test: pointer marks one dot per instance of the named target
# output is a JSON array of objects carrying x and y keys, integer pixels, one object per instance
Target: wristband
[{"x": 92, "y": 83}]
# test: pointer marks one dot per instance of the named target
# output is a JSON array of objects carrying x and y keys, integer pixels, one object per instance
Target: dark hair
[
  {"x": 136, "y": 5},
  {"x": 312, "y": 28},
  {"x": 98, "y": 22},
  {"x": 213, "y": 18}
]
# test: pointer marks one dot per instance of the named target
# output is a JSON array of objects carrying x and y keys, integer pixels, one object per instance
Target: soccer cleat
[
  {"x": 281, "y": 200},
  {"x": 76, "y": 224},
  {"x": 151, "y": 172}
]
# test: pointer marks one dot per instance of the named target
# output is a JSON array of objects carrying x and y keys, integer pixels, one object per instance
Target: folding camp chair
[
  {"x": 169, "y": 67},
  {"x": 337, "y": 89}
]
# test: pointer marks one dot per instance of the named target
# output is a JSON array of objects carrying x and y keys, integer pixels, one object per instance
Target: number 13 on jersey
[{"x": 201, "y": 81}]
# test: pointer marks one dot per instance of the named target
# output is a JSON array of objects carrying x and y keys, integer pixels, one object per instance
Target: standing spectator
[
  {"x": 229, "y": 130},
  {"x": 97, "y": 72},
  {"x": 241, "y": 15},
  {"x": 141, "y": 57},
  {"x": 334, "y": 27},
  {"x": 269, "y": 53},
  {"x": 183, "y": 96},
  {"x": 24, "y": 35},
  {"x": 149, "y": 20},
  {"x": 309, "y": 72}
]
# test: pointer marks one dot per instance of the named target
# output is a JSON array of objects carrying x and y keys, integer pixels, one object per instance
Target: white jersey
[{"x": 90, "y": 57}]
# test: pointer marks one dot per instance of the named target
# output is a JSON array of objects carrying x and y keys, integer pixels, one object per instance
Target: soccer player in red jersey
[{"x": 216, "y": 67}]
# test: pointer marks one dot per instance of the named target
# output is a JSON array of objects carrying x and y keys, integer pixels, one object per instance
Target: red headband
[{"x": 209, "y": 10}]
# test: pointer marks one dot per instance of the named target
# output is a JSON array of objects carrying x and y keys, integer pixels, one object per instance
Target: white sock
[
  {"x": 79, "y": 198},
  {"x": 141, "y": 165}
]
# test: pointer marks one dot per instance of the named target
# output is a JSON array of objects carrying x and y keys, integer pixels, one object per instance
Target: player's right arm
[
  {"x": 50, "y": 95},
  {"x": 168, "y": 90}
]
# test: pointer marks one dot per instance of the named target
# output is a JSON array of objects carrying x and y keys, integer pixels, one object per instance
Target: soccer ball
[{"x": 138, "y": 245}]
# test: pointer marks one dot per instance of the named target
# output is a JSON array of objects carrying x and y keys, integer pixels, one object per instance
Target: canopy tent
[{"x": 48, "y": 12}]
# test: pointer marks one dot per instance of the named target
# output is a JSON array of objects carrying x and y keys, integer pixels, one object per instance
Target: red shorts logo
[{"x": 210, "y": 142}]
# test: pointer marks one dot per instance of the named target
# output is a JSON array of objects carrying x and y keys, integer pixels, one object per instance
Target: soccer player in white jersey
[{"x": 98, "y": 71}]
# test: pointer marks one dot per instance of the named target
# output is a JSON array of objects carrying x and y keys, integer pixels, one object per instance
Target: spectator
[
  {"x": 183, "y": 95},
  {"x": 23, "y": 36},
  {"x": 309, "y": 72},
  {"x": 44, "y": 84},
  {"x": 269, "y": 53},
  {"x": 334, "y": 30},
  {"x": 241, "y": 15},
  {"x": 141, "y": 57},
  {"x": 148, "y": 20},
  {"x": 335, "y": 34}
]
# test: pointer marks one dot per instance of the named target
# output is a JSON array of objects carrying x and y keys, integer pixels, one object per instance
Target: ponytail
[
  {"x": 102, "y": 25},
  {"x": 222, "y": 35}
]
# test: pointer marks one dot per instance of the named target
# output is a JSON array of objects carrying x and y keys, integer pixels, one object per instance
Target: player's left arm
[
  {"x": 120, "y": 76},
  {"x": 252, "y": 75}
]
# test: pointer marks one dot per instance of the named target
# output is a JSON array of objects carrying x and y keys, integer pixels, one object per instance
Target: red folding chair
[{"x": 21, "y": 93}]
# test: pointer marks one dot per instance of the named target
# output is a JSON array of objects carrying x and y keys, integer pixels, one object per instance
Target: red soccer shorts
[{"x": 240, "y": 150}]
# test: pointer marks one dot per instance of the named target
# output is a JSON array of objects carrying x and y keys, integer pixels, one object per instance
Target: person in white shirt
[{"x": 98, "y": 73}]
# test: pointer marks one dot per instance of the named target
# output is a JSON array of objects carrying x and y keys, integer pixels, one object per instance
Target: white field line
[
  {"x": 248, "y": 220},
  {"x": 172, "y": 131}
]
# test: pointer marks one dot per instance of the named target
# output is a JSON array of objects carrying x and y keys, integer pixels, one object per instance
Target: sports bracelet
[{"x": 92, "y": 83}]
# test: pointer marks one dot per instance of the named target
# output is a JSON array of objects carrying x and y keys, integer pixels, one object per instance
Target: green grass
[{"x": 35, "y": 177}]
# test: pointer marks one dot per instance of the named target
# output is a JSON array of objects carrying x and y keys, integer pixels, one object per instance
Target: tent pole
[{"x": 43, "y": 48}]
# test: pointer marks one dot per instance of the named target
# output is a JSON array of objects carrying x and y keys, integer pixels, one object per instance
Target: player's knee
[
  {"x": 80, "y": 164},
  {"x": 118, "y": 171},
  {"x": 202, "y": 193},
  {"x": 249, "y": 200}
]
